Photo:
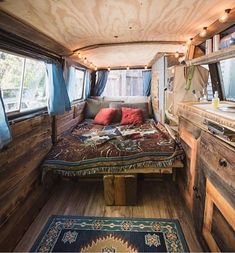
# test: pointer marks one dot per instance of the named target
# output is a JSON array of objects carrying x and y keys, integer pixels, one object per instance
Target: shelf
[{"x": 219, "y": 55}]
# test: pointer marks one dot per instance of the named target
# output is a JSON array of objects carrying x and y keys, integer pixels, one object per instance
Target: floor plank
[{"x": 156, "y": 199}]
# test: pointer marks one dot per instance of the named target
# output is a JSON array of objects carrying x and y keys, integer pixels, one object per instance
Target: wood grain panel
[
  {"x": 214, "y": 197},
  {"x": 20, "y": 174},
  {"x": 81, "y": 23},
  {"x": 130, "y": 20},
  {"x": 68, "y": 120}
]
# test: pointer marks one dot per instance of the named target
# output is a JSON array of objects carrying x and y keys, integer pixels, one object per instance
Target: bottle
[{"x": 215, "y": 100}]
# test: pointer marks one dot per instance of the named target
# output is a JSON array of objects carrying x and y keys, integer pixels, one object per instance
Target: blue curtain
[
  {"x": 58, "y": 101},
  {"x": 87, "y": 84},
  {"x": 101, "y": 82},
  {"x": 70, "y": 83},
  {"x": 147, "y": 76},
  {"x": 5, "y": 132}
]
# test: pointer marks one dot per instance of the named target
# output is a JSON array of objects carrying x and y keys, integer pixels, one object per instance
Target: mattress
[{"x": 90, "y": 149}]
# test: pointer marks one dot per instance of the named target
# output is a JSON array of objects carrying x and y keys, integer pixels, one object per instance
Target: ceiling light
[
  {"x": 85, "y": 60},
  {"x": 177, "y": 54},
  {"x": 224, "y": 18},
  {"x": 203, "y": 33},
  {"x": 109, "y": 68},
  {"x": 79, "y": 55},
  {"x": 127, "y": 67},
  {"x": 189, "y": 42},
  {"x": 145, "y": 67}
]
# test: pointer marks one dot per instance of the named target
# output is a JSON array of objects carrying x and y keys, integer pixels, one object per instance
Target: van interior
[{"x": 117, "y": 126}]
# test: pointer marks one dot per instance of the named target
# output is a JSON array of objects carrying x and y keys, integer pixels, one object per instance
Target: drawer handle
[{"x": 223, "y": 163}]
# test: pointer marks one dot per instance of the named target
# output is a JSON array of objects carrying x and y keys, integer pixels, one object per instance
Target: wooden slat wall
[
  {"x": 20, "y": 173},
  {"x": 68, "y": 120}
]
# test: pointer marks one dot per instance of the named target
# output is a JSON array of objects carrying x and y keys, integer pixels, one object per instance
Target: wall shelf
[{"x": 219, "y": 55}]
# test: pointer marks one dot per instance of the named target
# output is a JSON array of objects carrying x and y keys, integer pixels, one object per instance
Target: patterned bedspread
[{"x": 91, "y": 148}]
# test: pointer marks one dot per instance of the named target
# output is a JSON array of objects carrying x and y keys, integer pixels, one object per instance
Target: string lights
[
  {"x": 225, "y": 17},
  {"x": 203, "y": 32}
]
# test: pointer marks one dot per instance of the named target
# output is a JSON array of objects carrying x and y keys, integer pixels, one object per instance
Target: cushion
[
  {"x": 131, "y": 116},
  {"x": 143, "y": 106},
  {"x": 93, "y": 106},
  {"x": 105, "y": 116}
]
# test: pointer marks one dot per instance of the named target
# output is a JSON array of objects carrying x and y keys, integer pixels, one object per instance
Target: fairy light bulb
[
  {"x": 145, "y": 67},
  {"x": 85, "y": 60},
  {"x": 95, "y": 68},
  {"x": 109, "y": 68},
  {"x": 203, "y": 32},
  {"x": 177, "y": 54},
  {"x": 127, "y": 67},
  {"x": 224, "y": 18},
  {"x": 79, "y": 55}
]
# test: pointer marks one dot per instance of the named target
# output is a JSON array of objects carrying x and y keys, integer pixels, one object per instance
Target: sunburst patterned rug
[{"x": 110, "y": 235}]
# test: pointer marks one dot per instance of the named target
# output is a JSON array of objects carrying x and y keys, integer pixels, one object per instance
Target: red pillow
[
  {"x": 131, "y": 116},
  {"x": 105, "y": 116}
]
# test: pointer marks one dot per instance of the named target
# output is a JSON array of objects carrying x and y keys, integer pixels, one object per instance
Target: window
[
  {"x": 209, "y": 85},
  {"x": 228, "y": 78},
  {"x": 124, "y": 83},
  {"x": 76, "y": 85},
  {"x": 22, "y": 83}
]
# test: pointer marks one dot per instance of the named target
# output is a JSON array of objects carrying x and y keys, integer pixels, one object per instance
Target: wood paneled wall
[
  {"x": 68, "y": 120},
  {"x": 20, "y": 174}
]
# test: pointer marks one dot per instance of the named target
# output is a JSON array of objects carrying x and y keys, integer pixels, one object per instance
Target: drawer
[{"x": 219, "y": 157}]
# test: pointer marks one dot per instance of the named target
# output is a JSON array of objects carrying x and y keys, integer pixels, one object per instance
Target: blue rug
[{"x": 109, "y": 235}]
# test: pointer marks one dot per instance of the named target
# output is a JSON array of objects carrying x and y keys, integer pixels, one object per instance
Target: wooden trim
[
  {"x": 153, "y": 42},
  {"x": 192, "y": 142},
  {"x": 215, "y": 28},
  {"x": 217, "y": 56},
  {"x": 15, "y": 26},
  {"x": 214, "y": 197},
  {"x": 216, "y": 80}
]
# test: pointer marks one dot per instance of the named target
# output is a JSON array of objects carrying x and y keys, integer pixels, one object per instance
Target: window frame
[
  {"x": 83, "y": 84},
  {"x": 221, "y": 84},
  {"x": 17, "y": 113}
]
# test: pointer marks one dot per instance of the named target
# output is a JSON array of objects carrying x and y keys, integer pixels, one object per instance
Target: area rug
[{"x": 109, "y": 235}]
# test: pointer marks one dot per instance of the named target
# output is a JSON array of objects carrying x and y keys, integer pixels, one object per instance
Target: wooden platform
[{"x": 156, "y": 199}]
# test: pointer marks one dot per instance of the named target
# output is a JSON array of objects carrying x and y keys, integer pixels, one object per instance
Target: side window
[
  {"x": 76, "y": 86},
  {"x": 22, "y": 83},
  {"x": 227, "y": 75}
]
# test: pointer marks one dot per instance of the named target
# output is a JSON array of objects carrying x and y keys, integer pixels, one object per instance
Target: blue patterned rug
[{"x": 109, "y": 235}]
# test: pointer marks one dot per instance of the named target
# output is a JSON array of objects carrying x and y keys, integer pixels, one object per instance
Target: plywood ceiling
[
  {"x": 127, "y": 55},
  {"x": 80, "y": 23}
]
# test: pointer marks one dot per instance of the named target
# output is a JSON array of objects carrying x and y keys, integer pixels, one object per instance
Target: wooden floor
[{"x": 157, "y": 199}]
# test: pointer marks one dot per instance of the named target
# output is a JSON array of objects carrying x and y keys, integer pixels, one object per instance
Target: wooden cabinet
[
  {"x": 190, "y": 136},
  {"x": 214, "y": 191}
]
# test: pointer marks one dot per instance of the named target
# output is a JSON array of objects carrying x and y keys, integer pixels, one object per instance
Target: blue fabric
[
  {"x": 58, "y": 101},
  {"x": 5, "y": 132},
  {"x": 147, "y": 76},
  {"x": 87, "y": 84},
  {"x": 101, "y": 82}
]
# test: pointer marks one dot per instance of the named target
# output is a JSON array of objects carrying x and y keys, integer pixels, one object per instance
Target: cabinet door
[{"x": 219, "y": 221}]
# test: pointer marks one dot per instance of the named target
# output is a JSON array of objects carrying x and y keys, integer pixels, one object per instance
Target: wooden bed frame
[{"x": 121, "y": 188}]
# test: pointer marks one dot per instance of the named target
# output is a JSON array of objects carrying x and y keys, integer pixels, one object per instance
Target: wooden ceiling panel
[{"x": 79, "y": 23}]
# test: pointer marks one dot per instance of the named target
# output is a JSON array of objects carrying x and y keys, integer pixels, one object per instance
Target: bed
[
  {"x": 90, "y": 149},
  {"x": 117, "y": 152}
]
